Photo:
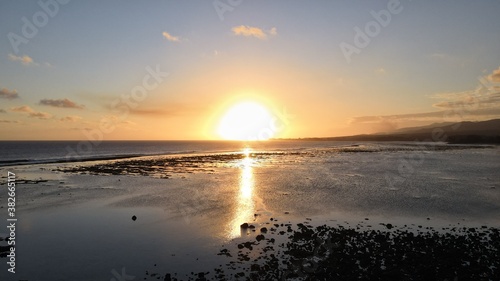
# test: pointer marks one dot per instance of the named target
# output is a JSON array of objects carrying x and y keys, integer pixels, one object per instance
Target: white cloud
[
  {"x": 25, "y": 60},
  {"x": 495, "y": 76},
  {"x": 170, "y": 37},
  {"x": 250, "y": 31}
]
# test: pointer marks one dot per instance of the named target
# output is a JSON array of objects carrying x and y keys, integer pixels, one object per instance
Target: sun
[{"x": 247, "y": 120}]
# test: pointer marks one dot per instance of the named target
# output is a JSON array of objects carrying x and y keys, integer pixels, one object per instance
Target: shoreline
[{"x": 435, "y": 146}]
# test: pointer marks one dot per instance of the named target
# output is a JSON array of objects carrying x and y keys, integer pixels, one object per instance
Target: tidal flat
[{"x": 314, "y": 214}]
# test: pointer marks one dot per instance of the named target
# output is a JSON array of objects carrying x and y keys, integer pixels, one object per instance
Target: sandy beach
[{"x": 261, "y": 216}]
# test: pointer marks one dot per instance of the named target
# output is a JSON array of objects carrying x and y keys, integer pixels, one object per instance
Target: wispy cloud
[
  {"x": 170, "y": 37},
  {"x": 128, "y": 123},
  {"x": 458, "y": 106},
  {"x": 441, "y": 56},
  {"x": 72, "y": 118},
  {"x": 62, "y": 103},
  {"x": 450, "y": 59},
  {"x": 251, "y": 31},
  {"x": 166, "y": 110},
  {"x": 433, "y": 116},
  {"x": 41, "y": 115},
  {"x": 459, "y": 100},
  {"x": 9, "y": 121},
  {"x": 31, "y": 112},
  {"x": 25, "y": 60},
  {"x": 154, "y": 111},
  {"x": 8, "y": 94},
  {"x": 476, "y": 97},
  {"x": 425, "y": 116}
]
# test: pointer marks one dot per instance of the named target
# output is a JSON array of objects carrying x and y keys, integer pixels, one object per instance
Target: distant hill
[{"x": 461, "y": 132}]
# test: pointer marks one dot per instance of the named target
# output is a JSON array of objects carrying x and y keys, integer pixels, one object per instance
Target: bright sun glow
[
  {"x": 247, "y": 152},
  {"x": 246, "y": 121}
]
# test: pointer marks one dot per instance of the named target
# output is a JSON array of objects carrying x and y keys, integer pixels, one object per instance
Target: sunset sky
[{"x": 69, "y": 70}]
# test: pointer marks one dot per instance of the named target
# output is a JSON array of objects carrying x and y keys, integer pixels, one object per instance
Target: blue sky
[{"x": 285, "y": 54}]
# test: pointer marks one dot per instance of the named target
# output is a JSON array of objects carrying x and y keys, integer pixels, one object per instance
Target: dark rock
[
  {"x": 201, "y": 276},
  {"x": 134, "y": 218},
  {"x": 349, "y": 254},
  {"x": 248, "y": 245},
  {"x": 245, "y": 225}
]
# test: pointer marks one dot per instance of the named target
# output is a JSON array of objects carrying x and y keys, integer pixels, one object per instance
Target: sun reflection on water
[{"x": 244, "y": 211}]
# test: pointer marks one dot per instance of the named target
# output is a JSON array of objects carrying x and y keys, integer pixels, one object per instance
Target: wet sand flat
[{"x": 189, "y": 210}]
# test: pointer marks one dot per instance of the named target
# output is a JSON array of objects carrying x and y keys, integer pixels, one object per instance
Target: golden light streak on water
[{"x": 245, "y": 207}]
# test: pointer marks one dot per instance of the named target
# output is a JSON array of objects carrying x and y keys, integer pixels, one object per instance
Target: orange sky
[{"x": 177, "y": 68}]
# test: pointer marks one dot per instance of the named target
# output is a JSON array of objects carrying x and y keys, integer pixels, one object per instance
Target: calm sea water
[{"x": 31, "y": 152}]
